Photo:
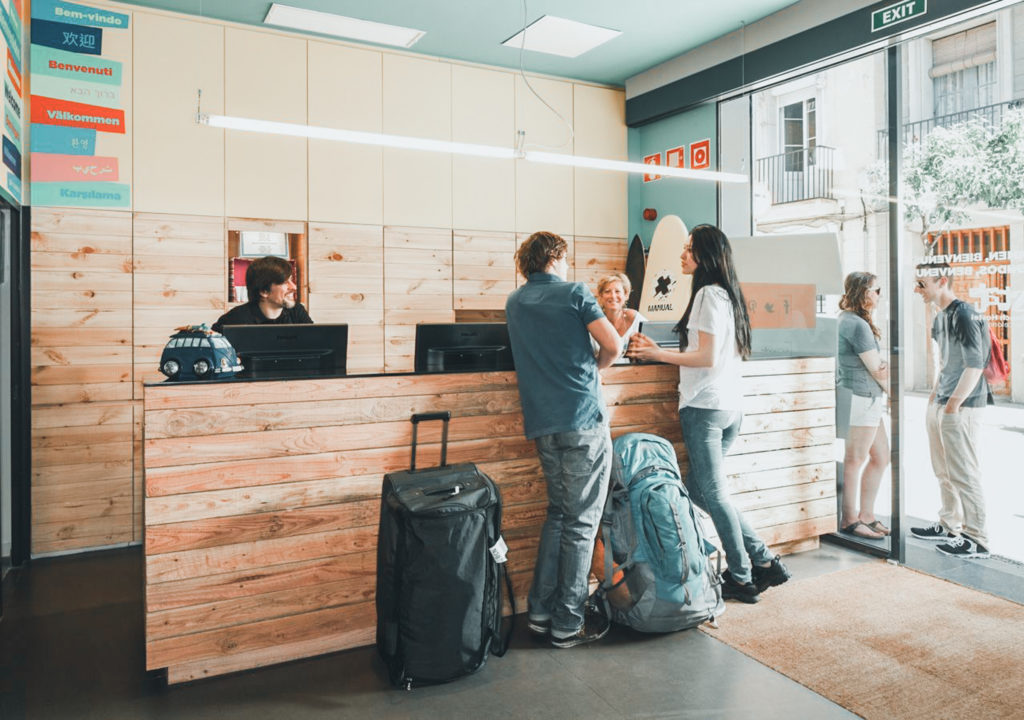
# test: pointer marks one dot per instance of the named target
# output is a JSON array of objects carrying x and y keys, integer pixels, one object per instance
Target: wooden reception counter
[{"x": 262, "y": 498}]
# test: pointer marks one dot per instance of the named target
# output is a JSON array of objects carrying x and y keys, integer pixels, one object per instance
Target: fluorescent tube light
[
  {"x": 558, "y": 36},
  {"x": 583, "y": 161},
  {"x": 354, "y": 136},
  {"x": 341, "y": 26},
  {"x": 457, "y": 148}
]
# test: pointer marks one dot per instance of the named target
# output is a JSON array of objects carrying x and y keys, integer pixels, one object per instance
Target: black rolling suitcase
[{"x": 440, "y": 560}]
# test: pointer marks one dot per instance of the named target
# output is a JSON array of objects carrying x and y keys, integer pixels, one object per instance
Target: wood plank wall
[
  {"x": 262, "y": 499},
  {"x": 109, "y": 287},
  {"x": 82, "y": 409}
]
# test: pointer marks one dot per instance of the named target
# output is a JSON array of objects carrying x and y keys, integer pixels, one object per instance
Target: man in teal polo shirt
[{"x": 550, "y": 323}]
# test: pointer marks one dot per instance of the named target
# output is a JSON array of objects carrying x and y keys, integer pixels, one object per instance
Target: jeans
[
  {"x": 708, "y": 434},
  {"x": 576, "y": 465},
  {"x": 953, "y": 442}
]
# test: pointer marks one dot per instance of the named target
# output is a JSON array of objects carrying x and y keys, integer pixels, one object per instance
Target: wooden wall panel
[
  {"x": 417, "y": 289},
  {"x": 596, "y": 257},
  {"x": 346, "y": 270},
  {"x": 262, "y": 500},
  {"x": 483, "y": 270},
  {"x": 81, "y": 352},
  {"x": 169, "y": 249}
]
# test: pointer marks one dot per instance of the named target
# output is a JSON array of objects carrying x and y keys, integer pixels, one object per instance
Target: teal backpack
[{"x": 658, "y": 576}]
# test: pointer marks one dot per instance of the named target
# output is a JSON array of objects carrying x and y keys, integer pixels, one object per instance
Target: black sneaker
[
  {"x": 963, "y": 546},
  {"x": 932, "y": 532},
  {"x": 538, "y": 627},
  {"x": 594, "y": 628},
  {"x": 733, "y": 590},
  {"x": 766, "y": 577}
]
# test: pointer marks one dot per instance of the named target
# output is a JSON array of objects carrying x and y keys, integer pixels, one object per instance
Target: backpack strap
[{"x": 503, "y": 642}]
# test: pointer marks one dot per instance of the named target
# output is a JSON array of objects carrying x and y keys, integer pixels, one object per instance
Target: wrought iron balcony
[
  {"x": 804, "y": 174},
  {"x": 916, "y": 131}
]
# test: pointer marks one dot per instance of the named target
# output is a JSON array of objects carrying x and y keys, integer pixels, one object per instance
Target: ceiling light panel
[
  {"x": 558, "y": 36},
  {"x": 341, "y": 26}
]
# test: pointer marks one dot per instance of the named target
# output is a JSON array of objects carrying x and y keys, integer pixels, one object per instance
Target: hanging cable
[{"x": 522, "y": 145}]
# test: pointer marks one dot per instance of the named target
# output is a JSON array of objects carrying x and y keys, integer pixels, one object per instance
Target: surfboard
[
  {"x": 665, "y": 289},
  {"x": 635, "y": 259}
]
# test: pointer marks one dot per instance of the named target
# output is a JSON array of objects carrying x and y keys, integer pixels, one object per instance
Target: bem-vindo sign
[{"x": 896, "y": 13}]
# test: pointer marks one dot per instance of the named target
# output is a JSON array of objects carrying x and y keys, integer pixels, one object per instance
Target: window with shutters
[{"x": 964, "y": 70}]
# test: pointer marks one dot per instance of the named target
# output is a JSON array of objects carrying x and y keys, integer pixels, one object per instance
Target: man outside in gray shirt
[
  {"x": 550, "y": 323},
  {"x": 954, "y": 416}
]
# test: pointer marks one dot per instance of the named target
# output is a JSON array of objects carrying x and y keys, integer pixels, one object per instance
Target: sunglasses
[{"x": 877, "y": 290}]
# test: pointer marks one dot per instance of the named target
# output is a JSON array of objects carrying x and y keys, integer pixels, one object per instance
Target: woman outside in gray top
[{"x": 863, "y": 372}]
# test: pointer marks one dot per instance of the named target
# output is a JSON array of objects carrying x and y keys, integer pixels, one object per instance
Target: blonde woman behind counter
[{"x": 612, "y": 293}]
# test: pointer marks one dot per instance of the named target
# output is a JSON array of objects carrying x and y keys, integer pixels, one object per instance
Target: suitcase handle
[{"x": 416, "y": 419}]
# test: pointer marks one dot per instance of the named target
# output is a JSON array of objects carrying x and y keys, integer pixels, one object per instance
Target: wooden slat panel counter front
[{"x": 262, "y": 498}]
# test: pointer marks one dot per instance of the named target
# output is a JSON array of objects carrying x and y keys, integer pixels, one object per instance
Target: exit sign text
[{"x": 897, "y": 13}]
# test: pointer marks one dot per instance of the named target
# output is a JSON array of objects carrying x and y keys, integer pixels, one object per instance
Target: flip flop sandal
[
  {"x": 852, "y": 528},
  {"x": 878, "y": 527}
]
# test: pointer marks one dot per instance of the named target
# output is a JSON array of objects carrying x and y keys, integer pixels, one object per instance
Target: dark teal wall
[{"x": 693, "y": 200}]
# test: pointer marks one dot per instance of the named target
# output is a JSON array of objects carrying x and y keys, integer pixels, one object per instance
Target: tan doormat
[{"x": 888, "y": 642}]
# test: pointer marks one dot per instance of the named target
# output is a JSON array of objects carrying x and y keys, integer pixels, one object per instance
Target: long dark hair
[
  {"x": 713, "y": 253},
  {"x": 856, "y": 286}
]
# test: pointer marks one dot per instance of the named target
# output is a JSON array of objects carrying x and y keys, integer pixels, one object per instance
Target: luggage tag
[{"x": 499, "y": 550}]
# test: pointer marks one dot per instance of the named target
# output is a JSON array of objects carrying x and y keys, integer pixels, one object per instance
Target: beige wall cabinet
[
  {"x": 417, "y": 102},
  {"x": 483, "y": 112},
  {"x": 265, "y": 78},
  {"x": 345, "y": 180},
  {"x": 179, "y": 164},
  {"x": 600, "y": 196}
]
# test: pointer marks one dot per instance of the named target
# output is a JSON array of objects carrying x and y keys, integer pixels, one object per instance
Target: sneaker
[
  {"x": 963, "y": 546},
  {"x": 595, "y": 627},
  {"x": 932, "y": 532},
  {"x": 733, "y": 590},
  {"x": 538, "y": 626},
  {"x": 766, "y": 577}
]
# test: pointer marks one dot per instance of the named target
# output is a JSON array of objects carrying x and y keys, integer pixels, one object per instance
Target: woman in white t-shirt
[
  {"x": 714, "y": 338},
  {"x": 612, "y": 293}
]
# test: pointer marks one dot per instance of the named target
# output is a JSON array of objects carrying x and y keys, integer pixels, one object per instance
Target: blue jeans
[
  {"x": 708, "y": 434},
  {"x": 576, "y": 466}
]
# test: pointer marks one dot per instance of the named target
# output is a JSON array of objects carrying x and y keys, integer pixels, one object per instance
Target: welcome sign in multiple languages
[
  {"x": 10, "y": 54},
  {"x": 79, "y": 138}
]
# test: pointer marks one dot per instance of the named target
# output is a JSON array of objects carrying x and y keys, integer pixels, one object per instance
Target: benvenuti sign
[{"x": 897, "y": 13}]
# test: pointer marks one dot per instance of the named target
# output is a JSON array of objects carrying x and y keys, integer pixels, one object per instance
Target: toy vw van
[{"x": 195, "y": 352}]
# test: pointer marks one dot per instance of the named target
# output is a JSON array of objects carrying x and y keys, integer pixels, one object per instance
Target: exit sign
[{"x": 897, "y": 13}]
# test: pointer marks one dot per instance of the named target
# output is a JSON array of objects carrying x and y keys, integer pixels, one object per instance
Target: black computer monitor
[
  {"x": 460, "y": 347},
  {"x": 306, "y": 350}
]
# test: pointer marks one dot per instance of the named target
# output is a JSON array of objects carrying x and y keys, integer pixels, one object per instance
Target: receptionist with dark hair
[{"x": 272, "y": 297}]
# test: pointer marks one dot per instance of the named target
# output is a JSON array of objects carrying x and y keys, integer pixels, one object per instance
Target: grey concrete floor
[{"x": 71, "y": 646}]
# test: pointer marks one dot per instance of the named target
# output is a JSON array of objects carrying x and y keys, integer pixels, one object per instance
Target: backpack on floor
[{"x": 658, "y": 575}]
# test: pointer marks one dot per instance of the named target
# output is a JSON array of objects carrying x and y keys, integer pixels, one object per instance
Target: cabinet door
[
  {"x": 600, "y": 196},
  {"x": 483, "y": 112},
  {"x": 417, "y": 102},
  {"x": 345, "y": 180},
  {"x": 265, "y": 78},
  {"x": 544, "y": 196},
  {"x": 179, "y": 164}
]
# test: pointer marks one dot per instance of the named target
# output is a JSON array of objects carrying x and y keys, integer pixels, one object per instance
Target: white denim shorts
[{"x": 866, "y": 411}]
